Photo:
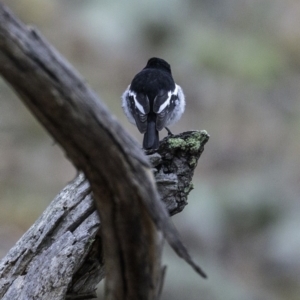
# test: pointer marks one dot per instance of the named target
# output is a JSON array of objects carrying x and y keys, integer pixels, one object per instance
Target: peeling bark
[{"x": 65, "y": 245}]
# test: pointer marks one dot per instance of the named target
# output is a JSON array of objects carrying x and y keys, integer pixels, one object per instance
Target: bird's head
[{"x": 158, "y": 63}]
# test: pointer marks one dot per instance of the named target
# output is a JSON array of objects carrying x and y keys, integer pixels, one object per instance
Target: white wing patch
[
  {"x": 167, "y": 102},
  {"x": 137, "y": 104},
  {"x": 176, "y": 114}
]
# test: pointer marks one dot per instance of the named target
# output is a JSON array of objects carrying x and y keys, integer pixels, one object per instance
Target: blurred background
[{"x": 238, "y": 62}]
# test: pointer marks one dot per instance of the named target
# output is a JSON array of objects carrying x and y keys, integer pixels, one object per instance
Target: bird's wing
[
  {"x": 163, "y": 106},
  {"x": 140, "y": 107}
]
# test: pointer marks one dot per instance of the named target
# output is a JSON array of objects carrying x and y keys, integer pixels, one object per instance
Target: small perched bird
[{"x": 153, "y": 101}]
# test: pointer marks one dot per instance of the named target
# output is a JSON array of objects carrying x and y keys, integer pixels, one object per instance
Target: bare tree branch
[
  {"x": 119, "y": 174},
  {"x": 71, "y": 222}
]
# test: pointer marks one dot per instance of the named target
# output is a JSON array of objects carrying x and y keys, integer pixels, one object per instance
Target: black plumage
[{"x": 151, "y": 101}]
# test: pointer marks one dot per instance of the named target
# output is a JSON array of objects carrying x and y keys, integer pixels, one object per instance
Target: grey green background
[{"x": 238, "y": 62}]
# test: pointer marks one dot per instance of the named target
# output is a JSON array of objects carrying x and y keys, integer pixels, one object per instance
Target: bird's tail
[{"x": 151, "y": 138}]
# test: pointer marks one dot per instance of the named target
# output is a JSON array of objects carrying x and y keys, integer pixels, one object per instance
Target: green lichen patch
[
  {"x": 189, "y": 188},
  {"x": 193, "y": 162},
  {"x": 177, "y": 143},
  {"x": 192, "y": 142}
]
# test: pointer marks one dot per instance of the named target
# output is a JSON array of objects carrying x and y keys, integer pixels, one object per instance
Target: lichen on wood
[{"x": 65, "y": 242}]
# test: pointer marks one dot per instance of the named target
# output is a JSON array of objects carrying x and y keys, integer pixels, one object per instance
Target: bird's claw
[{"x": 169, "y": 131}]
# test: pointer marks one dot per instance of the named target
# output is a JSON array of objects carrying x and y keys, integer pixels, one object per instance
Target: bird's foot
[{"x": 169, "y": 131}]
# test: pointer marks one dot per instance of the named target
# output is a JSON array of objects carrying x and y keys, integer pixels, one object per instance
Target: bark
[
  {"x": 43, "y": 263},
  {"x": 64, "y": 245}
]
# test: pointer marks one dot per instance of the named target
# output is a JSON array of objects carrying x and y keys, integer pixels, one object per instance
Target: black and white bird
[{"x": 153, "y": 101}]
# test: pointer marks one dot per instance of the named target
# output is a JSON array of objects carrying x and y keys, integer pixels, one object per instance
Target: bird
[{"x": 153, "y": 101}]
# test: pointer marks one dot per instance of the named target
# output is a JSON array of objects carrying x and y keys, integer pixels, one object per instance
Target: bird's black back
[
  {"x": 151, "y": 81},
  {"x": 155, "y": 81}
]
